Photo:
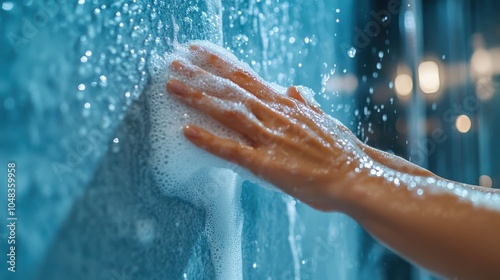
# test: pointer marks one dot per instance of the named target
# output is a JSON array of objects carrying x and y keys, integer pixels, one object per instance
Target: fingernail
[
  {"x": 176, "y": 87},
  {"x": 192, "y": 132}
]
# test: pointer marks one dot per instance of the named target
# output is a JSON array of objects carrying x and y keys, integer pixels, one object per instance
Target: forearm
[{"x": 438, "y": 230}]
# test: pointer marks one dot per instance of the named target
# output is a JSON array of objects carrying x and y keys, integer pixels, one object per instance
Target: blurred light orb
[
  {"x": 481, "y": 62},
  {"x": 485, "y": 181},
  {"x": 463, "y": 123},
  {"x": 403, "y": 85},
  {"x": 428, "y": 77}
]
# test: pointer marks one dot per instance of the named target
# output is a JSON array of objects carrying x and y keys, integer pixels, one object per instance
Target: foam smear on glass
[{"x": 187, "y": 172}]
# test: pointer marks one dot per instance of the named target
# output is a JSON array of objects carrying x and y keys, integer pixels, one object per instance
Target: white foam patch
[{"x": 182, "y": 170}]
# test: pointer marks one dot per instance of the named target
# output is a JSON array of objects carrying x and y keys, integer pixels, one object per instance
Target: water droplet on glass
[
  {"x": 352, "y": 52},
  {"x": 7, "y": 6}
]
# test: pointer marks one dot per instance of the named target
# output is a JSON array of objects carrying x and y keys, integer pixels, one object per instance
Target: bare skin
[{"x": 316, "y": 159}]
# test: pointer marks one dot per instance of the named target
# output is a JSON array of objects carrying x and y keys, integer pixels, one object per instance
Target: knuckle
[
  {"x": 213, "y": 58},
  {"x": 229, "y": 114},
  {"x": 243, "y": 77}
]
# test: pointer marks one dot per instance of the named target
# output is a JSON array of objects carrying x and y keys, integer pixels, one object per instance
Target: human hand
[{"x": 291, "y": 143}]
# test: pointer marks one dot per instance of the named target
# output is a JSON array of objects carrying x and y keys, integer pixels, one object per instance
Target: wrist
[{"x": 354, "y": 187}]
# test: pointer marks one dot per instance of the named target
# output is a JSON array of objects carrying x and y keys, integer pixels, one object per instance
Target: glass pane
[{"x": 108, "y": 189}]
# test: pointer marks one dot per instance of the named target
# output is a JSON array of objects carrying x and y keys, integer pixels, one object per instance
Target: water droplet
[
  {"x": 352, "y": 52},
  {"x": 7, "y": 6}
]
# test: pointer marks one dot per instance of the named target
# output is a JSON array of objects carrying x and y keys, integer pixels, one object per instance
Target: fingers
[
  {"x": 227, "y": 149},
  {"x": 232, "y": 115},
  {"x": 212, "y": 85},
  {"x": 210, "y": 64},
  {"x": 230, "y": 84},
  {"x": 228, "y": 91},
  {"x": 226, "y": 68},
  {"x": 186, "y": 70}
]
